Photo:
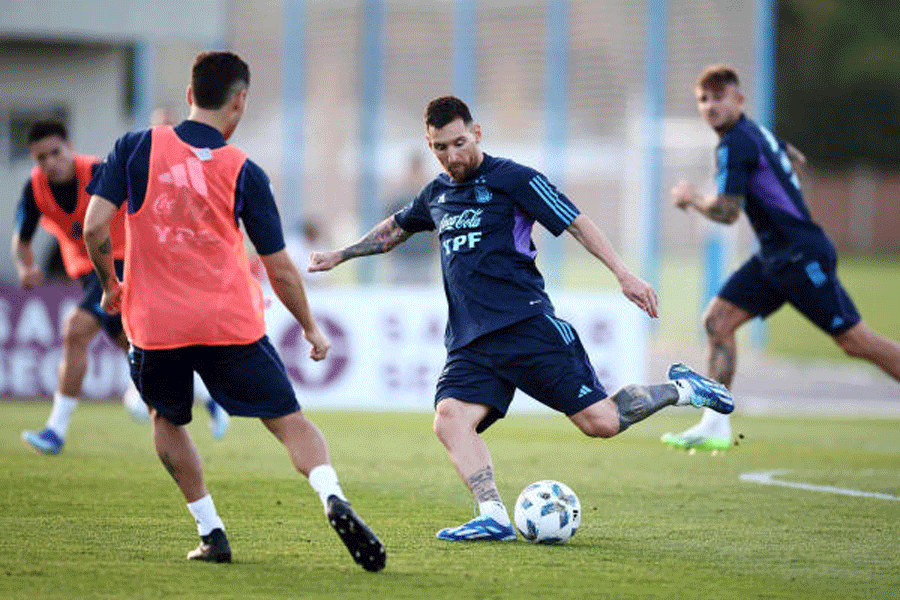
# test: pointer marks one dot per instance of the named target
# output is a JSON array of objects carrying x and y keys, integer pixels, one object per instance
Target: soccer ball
[{"x": 547, "y": 512}]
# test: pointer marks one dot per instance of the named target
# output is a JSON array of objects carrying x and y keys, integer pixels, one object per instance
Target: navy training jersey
[
  {"x": 487, "y": 255},
  {"x": 752, "y": 162},
  {"x": 124, "y": 176}
]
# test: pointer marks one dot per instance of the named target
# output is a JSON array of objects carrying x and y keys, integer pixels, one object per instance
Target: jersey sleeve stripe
[
  {"x": 722, "y": 175},
  {"x": 564, "y": 212},
  {"x": 553, "y": 199}
]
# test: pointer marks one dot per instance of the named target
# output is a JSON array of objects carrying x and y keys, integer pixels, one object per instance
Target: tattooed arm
[
  {"x": 100, "y": 212},
  {"x": 381, "y": 239},
  {"x": 723, "y": 208}
]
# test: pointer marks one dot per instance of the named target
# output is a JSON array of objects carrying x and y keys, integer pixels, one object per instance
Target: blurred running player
[
  {"x": 796, "y": 262},
  {"x": 55, "y": 197}
]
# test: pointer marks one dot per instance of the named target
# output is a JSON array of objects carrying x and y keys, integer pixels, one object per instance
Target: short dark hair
[
  {"x": 44, "y": 129},
  {"x": 446, "y": 109},
  {"x": 214, "y": 77},
  {"x": 716, "y": 77}
]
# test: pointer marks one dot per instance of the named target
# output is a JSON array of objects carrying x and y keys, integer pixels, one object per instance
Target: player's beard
[
  {"x": 725, "y": 121},
  {"x": 461, "y": 171}
]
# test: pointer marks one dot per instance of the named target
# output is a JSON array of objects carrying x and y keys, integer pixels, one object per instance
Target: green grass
[
  {"x": 872, "y": 281},
  {"x": 103, "y": 520}
]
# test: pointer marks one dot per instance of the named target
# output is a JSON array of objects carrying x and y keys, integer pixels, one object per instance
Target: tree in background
[{"x": 838, "y": 80}]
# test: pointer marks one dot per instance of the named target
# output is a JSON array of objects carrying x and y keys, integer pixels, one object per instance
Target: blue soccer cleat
[
  {"x": 218, "y": 418},
  {"x": 704, "y": 392},
  {"x": 45, "y": 442},
  {"x": 479, "y": 528}
]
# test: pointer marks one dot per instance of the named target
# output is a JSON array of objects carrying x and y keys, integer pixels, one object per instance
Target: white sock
[
  {"x": 324, "y": 481},
  {"x": 684, "y": 392},
  {"x": 204, "y": 512},
  {"x": 715, "y": 424},
  {"x": 61, "y": 413},
  {"x": 495, "y": 510}
]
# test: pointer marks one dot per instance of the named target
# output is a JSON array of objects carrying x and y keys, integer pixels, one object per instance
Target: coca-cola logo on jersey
[{"x": 467, "y": 219}]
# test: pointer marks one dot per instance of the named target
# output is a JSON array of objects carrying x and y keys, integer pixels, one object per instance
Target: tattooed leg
[
  {"x": 482, "y": 485},
  {"x": 637, "y": 402},
  {"x": 722, "y": 349},
  {"x": 179, "y": 456},
  {"x": 723, "y": 361},
  {"x": 455, "y": 423},
  {"x": 167, "y": 463}
]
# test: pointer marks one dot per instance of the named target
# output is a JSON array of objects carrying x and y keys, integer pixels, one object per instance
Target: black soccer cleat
[
  {"x": 213, "y": 548},
  {"x": 362, "y": 543}
]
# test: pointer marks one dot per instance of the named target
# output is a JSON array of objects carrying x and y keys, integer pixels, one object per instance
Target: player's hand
[
  {"x": 641, "y": 293},
  {"x": 30, "y": 277},
  {"x": 323, "y": 261},
  {"x": 111, "y": 301},
  {"x": 797, "y": 158},
  {"x": 684, "y": 195},
  {"x": 320, "y": 344}
]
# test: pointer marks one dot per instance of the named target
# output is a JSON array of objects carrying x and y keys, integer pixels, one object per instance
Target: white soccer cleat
[
  {"x": 135, "y": 405},
  {"x": 713, "y": 432}
]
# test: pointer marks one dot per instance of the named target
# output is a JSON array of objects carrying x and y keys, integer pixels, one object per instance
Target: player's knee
[
  {"x": 75, "y": 334},
  {"x": 852, "y": 346},
  {"x": 715, "y": 327},
  {"x": 601, "y": 429},
  {"x": 597, "y": 424},
  {"x": 710, "y": 325},
  {"x": 448, "y": 419}
]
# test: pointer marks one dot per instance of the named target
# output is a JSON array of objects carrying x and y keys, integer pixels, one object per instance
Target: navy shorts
[
  {"x": 542, "y": 356},
  {"x": 247, "y": 380},
  {"x": 809, "y": 284},
  {"x": 93, "y": 293}
]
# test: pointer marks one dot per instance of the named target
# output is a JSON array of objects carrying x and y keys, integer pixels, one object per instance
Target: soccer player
[
  {"x": 795, "y": 263},
  {"x": 218, "y": 418},
  {"x": 502, "y": 332},
  {"x": 189, "y": 302},
  {"x": 55, "y": 197}
]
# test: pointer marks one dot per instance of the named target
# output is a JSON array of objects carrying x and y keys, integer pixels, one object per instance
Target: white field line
[{"x": 768, "y": 478}]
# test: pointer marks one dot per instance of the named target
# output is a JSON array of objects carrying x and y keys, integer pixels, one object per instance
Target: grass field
[{"x": 103, "y": 520}]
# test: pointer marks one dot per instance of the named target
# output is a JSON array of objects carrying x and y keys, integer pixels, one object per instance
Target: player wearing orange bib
[
  {"x": 190, "y": 303},
  {"x": 55, "y": 197}
]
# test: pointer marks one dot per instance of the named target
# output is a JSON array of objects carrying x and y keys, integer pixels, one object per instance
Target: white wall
[{"x": 117, "y": 21}]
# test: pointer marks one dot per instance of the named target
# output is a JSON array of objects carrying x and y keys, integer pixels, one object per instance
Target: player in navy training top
[
  {"x": 502, "y": 332},
  {"x": 248, "y": 379},
  {"x": 796, "y": 261}
]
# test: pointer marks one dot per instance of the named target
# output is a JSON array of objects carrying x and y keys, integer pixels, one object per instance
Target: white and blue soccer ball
[{"x": 547, "y": 512}]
